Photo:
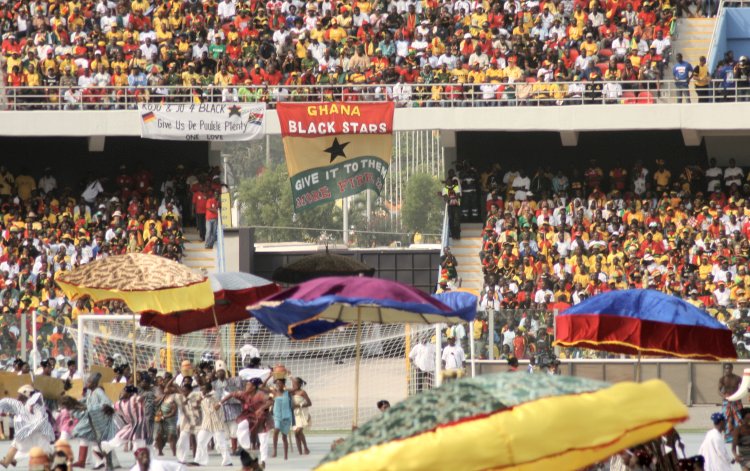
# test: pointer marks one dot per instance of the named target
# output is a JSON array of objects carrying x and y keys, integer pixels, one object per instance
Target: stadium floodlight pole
[
  {"x": 220, "y": 241},
  {"x": 345, "y": 218},
  {"x": 368, "y": 207}
]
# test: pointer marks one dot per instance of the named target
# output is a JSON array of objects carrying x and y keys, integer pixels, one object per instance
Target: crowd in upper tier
[{"x": 140, "y": 46}]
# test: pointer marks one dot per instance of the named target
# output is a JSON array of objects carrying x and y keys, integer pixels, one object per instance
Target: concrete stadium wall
[
  {"x": 698, "y": 118},
  {"x": 695, "y": 383}
]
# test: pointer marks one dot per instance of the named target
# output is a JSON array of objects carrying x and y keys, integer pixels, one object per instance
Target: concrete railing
[{"x": 694, "y": 382}]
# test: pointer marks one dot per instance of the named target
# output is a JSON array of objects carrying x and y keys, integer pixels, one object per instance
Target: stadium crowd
[
  {"x": 47, "y": 229},
  {"x": 553, "y": 238},
  {"x": 423, "y": 50}
]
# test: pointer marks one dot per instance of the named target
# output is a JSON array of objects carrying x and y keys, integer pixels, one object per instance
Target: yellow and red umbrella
[
  {"x": 511, "y": 421},
  {"x": 144, "y": 282}
]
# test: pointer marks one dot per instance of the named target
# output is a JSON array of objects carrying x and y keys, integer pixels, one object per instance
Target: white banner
[{"x": 203, "y": 121}]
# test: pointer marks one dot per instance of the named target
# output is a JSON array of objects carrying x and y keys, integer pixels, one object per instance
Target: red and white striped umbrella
[{"x": 233, "y": 292}]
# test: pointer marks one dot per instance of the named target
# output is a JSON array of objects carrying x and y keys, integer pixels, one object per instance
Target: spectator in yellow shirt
[
  {"x": 662, "y": 176},
  {"x": 591, "y": 47},
  {"x": 25, "y": 184}
]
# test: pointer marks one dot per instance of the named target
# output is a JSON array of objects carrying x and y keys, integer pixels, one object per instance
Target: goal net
[{"x": 325, "y": 362}]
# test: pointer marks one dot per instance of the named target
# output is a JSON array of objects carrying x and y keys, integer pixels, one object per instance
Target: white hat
[
  {"x": 220, "y": 365},
  {"x": 467, "y": 36}
]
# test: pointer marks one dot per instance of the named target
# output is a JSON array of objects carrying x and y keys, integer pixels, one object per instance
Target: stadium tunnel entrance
[
  {"x": 72, "y": 161},
  {"x": 531, "y": 150}
]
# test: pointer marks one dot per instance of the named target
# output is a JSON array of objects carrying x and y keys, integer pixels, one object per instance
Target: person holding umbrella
[{"x": 713, "y": 449}]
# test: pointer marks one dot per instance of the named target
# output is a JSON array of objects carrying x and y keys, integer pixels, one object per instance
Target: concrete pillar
[
  {"x": 569, "y": 138},
  {"x": 96, "y": 143},
  {"x": 214, "y": 154},
  {"x": 450, "y": 154},
  {"x": 691, "y": 137}
]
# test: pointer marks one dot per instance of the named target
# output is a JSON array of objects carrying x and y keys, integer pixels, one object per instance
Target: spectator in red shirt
[
  {"x": 212, "y": 216},
  {"x": 199, "y": 204}
]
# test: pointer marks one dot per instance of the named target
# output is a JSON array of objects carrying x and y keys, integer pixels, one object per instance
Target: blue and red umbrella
[
  {"x": 644, "y": 322},
  {"x": 317, "y": 306},
  {"x": 322, "y": 304}
]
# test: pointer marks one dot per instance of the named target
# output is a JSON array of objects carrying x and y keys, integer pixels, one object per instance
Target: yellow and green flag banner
[{"x": 335, "y": 150}]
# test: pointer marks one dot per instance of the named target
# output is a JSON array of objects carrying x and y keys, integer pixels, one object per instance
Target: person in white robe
[
  {"x": 714, "y": 449},
  {"x": 31, "y": 422},
  {"x": 144, "y": 462}
]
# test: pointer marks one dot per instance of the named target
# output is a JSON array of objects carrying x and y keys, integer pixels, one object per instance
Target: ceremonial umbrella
[
  {"x": 317, "y": 306},
  {"x": 644, "y": 322},
  {"x": 510, "y": 421},
  {"x": 232, "y": 293},
  {"x": 318, "y": 265},
  {"x": 145, "y": 283}
]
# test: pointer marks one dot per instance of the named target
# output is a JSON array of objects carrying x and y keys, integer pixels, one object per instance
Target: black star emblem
[
  {"x": 234, "y": 110},
  {"x": 336, "y": 149}
]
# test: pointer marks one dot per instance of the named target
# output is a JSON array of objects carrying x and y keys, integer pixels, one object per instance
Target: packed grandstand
[
  {"x": 49, "y": 228},
  {"x": 552, "y": 239},
  {"x": 105, "y": 54}
]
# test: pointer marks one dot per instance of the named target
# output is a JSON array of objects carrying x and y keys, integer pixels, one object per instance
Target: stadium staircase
[
  {"x": 693, "y": 38},
  {"x": 466, "y": 251},
  {"x": 196, "y": 256}
]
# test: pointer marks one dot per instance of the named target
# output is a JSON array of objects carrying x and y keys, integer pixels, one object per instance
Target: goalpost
[{"x": 325, "y": 362}]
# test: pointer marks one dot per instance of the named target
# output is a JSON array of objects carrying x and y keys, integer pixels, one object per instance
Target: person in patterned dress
[
  {"x": 212, "y": 426},
  {"x": 96, "y": 423},
  {"x": 148, "y": 395},
  {"x": 165, "y": 418},
  {"x": 31, "y": 422},
  {"x": 224, "y": 385},
  {"x": 255, "y": 418},
  {"x": 190, "y": 419},
  {"x": 130, "y": 411}
]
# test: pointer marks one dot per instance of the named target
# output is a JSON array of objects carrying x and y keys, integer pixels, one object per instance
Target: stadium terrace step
[
  {"x": 196, "y": 255},
  {"x": 693, "y": 38},
  {"x": 466, "y": 251},
  {"x": 469, "y": 250}
]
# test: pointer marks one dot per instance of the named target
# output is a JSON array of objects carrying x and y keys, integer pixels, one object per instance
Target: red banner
[{"x": 328, "y": 119}]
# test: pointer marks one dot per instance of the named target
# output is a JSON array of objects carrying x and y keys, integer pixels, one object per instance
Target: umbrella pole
[
  {"x": 638, "y": 368},
  {"x": 135, "y": 359},
  {"x": 218, "y": 333},
  {"x": 357, "y": 357}
]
